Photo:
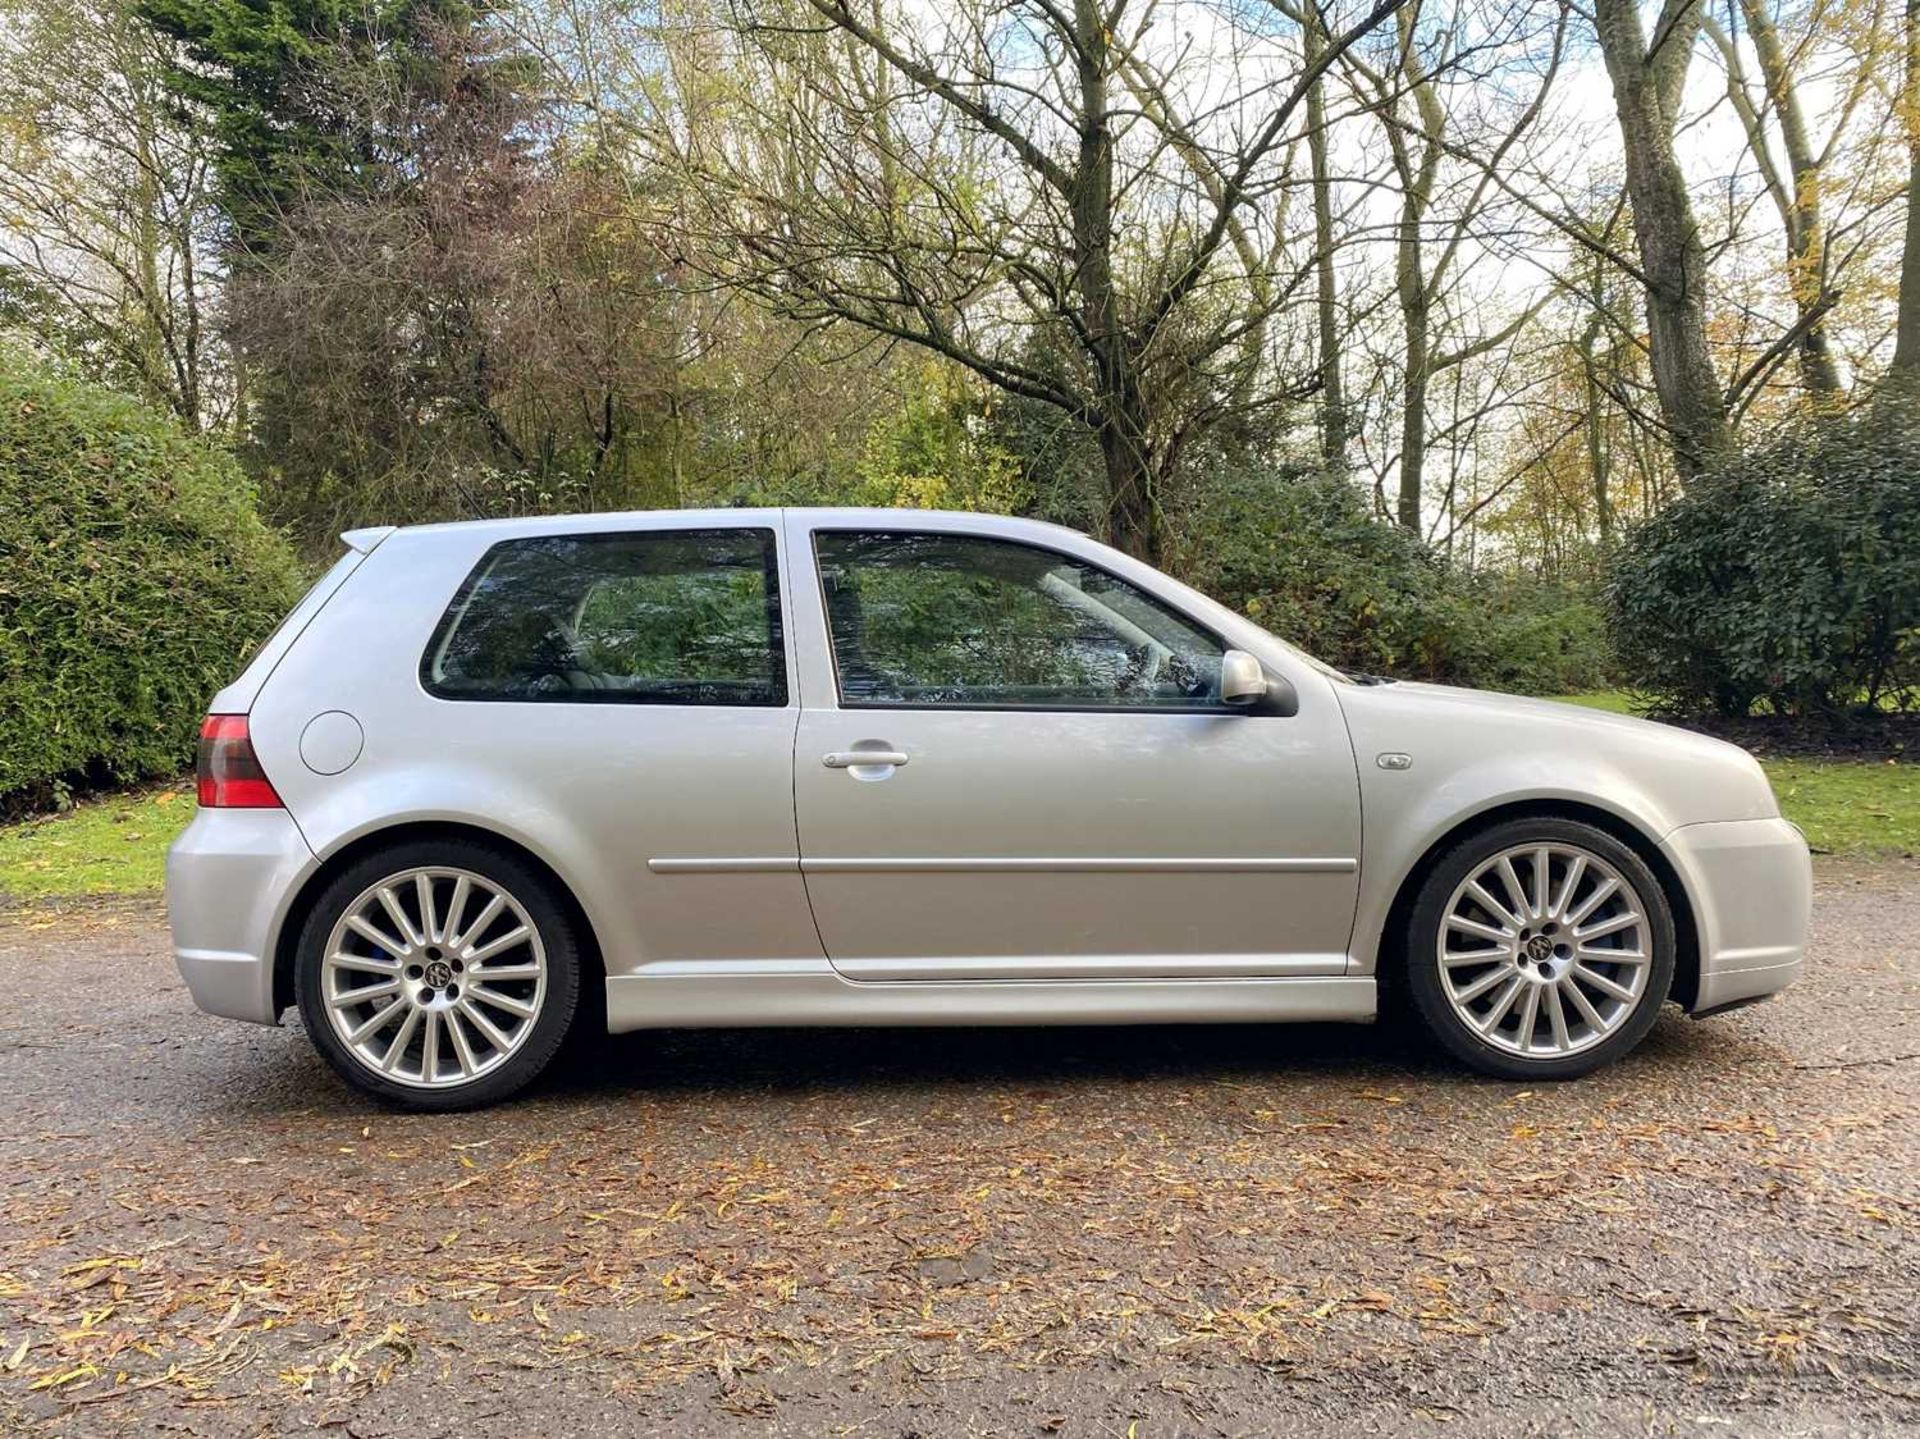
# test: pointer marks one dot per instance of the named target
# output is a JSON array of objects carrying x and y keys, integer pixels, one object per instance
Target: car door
[{"x": 1013, "y": 763}]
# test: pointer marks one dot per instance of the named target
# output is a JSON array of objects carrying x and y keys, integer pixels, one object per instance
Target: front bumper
[
  {"x": 1751, "y": 883},
  {"x": 230, "y": 876}
]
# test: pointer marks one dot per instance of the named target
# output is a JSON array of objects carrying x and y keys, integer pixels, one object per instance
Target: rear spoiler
[{"x": 365, "y": 542}]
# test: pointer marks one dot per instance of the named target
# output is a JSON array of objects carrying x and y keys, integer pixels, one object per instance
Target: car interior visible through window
[
  {"x": 662, "y": 617},
  {"x": 967, "y": 621}
]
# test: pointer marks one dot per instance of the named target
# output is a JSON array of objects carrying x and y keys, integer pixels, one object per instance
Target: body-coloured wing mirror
[
  {"x": 1245, "y": 684},
  {"x": 1242, "y": 679}
]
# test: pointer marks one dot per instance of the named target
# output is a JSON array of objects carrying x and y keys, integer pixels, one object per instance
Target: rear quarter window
[{"x": 687, "y": 617}]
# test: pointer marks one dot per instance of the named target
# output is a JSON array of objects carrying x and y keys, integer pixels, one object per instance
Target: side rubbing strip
[
  {"x": 1077, "y": 865},
  {"x": 1088, "y": 865}
]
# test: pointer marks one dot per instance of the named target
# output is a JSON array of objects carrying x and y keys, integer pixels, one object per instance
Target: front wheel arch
[
  {"x": 287, "y": 942},
  {"x": 1390, "y": 959}
]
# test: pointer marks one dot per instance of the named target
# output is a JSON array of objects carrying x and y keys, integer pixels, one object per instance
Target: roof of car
[{"x": 367, "y": 539}]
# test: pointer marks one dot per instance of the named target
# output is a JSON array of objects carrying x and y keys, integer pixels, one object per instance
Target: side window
[
  {"x": 960, "y": 621},
  {"x": 688, "y": 617}
]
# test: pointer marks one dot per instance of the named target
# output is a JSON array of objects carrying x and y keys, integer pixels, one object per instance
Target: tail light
[{"x": 227, "y": 769}]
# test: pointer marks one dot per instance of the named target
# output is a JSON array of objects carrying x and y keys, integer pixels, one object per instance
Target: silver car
[{"x": 852, "y": 767}]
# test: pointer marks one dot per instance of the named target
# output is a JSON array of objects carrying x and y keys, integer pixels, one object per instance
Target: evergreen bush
[
  {"x": 1790, "y": 577},
  {"x": 135, "y": 578}
]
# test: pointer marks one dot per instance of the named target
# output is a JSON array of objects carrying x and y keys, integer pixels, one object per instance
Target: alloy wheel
[
  {"x": 434, "y": 977},
  {"x": 1545, "y": 950}
]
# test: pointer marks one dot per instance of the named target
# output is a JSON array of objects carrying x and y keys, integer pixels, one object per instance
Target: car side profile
[{"x": 883, "y": 767}]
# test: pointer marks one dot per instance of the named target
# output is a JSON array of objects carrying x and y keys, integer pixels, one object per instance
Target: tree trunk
[
  {"x": 1594, "y": 421},
  {"x": 1673, "y": 261},
  {"x": 1418, "y": 170},
  {"x": 1599, "y": 456},
  {"x": 1122, "y": 425},
  {"x": 1132, "y": 516},
  {"x": 1905, "y": 370},
  {"x": 1333, "y": 399},
  {"x": 1413, "y": 417},
  {"x": 1805, "y": 225}
]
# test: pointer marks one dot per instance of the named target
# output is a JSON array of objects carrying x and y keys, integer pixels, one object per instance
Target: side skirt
[{"x": 802, "y": 993}]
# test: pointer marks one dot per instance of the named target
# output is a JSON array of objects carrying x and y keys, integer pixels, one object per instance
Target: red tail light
[{"x": 227, "y": 769}]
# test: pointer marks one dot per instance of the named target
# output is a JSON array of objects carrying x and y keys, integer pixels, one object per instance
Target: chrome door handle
[{"x": 849, "y": 758}]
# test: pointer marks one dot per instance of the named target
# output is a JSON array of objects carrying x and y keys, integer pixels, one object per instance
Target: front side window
[
  {"x": 686, "y": 617},
  {"x": 969, "y": 622}
]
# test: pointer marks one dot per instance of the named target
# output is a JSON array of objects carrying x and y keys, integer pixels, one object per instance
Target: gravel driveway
[{"x": 1135, "y": 1232}]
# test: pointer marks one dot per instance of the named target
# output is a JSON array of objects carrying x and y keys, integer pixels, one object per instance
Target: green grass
[
  {"x": 116, "y": 845},
  {"x": 1865, "y": 808},
  {"x": 1620, "y": 702}
]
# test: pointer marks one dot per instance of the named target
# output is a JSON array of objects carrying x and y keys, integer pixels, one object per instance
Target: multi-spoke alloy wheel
[
  {"x": 1544, "y": 949},
  {"x": 437, "y": 978},
  {"x": 1548, "y": 946},
  {"x": 434, "y": 976}
]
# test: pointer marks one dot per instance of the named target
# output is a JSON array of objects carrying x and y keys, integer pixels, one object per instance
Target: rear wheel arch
[
  {"x": 1390, "y": 957},
  {"x": 287, "y": 941}
]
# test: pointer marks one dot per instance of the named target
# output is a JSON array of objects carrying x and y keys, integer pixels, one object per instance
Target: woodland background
[{"x": 1519, "y": 343}]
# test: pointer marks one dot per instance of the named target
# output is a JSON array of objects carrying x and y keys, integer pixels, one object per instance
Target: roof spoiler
[{"x": 365, "y": 542}]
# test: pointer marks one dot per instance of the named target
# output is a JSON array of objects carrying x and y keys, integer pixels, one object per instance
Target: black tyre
[
  {"x": 1539, "y": 949},
  {"x": 438, "y": 974}
]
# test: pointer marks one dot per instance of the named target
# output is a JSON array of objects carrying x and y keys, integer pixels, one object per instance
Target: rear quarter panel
[
  {"x": 594, "y": 791},
  {"x": 238, "y": 697}
]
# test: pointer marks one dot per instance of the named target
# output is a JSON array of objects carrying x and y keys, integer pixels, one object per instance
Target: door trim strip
[
  {"x": 1089, "y": 864},
  {"x": 1087, "y": 968}
]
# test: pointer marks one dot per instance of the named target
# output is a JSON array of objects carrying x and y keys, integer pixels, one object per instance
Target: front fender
[
  {"x": 1433, "y": 760},
  {"x": 1404, "y": 816}
]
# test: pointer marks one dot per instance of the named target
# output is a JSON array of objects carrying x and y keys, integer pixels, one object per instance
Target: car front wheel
[
  {"x": 1540, "y": 949},
  {"x": 438, "y": 975}
]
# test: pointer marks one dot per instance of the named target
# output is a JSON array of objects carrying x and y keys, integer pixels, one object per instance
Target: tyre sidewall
[
  {"x": 550, "y": 918},
  {"x": 1422, "y": 969}
]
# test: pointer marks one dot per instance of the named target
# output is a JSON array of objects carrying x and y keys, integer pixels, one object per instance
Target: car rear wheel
[
  {"x": 438, "y": 975},
  {"x": 1540, "y": 949}
]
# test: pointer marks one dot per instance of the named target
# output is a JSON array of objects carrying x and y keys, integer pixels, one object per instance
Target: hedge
[
  {"x": 1789, "y": 577},
  {"x": 135, "y": 576}
]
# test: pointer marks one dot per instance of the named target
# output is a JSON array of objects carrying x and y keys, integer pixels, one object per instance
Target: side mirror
[
  {"x": 1243, "y": 681},
  {"x": 1245, "y": 684}
]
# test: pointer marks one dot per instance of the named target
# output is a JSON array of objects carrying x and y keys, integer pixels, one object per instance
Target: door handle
[{"x": 849, "y": 758}]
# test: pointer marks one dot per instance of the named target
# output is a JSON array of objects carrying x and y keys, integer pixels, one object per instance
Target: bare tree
[
  {"x": 105, "y": 210},
  {"x": 1440, "y": 216},
  {"x": 1329, "y": 371},
  {"x": 1905, "y": 369},
  {"x": 1075, "y": 202},
  {"x": 1798, "y": 186}
]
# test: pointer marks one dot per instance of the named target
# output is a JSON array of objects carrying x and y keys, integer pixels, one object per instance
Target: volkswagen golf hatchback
[{"x": 845, "y": 767}]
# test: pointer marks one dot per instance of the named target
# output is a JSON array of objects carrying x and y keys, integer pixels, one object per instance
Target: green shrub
[
  {"x": 1303, "y": 555},
  {"x": 1792, "y": 575},
  {"x": 135, "y": 577},
  {"x": 1520, "y": 634}
]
